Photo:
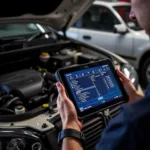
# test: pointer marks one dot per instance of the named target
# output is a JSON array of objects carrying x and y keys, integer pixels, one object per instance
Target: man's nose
[{"x": 132, "y": 15}]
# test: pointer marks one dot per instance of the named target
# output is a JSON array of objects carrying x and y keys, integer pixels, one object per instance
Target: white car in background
[{"x": 107, "y": 24}]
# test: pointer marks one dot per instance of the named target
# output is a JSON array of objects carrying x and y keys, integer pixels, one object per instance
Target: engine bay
[
  {"x": 28, "y": 111},
  {"x": 29, "y": 82}
]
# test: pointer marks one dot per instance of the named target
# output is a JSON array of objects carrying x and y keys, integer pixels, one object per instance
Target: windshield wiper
[
  {"x": 24, "y": 41},
  {"x": 4, "y": 41},
  {"x": 8, "y": 42},
  {"x": 39, "y": 35}
]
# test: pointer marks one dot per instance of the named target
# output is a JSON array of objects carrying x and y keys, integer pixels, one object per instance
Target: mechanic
[{"x": 130, "y": 130}]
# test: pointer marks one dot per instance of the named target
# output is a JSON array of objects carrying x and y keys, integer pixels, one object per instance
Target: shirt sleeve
[
  {"x": 147, "y": 92},
  {"x": 118, "y": 135}
]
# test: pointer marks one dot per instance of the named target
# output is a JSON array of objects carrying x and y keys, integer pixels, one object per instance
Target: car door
[
  {"x": 73, "y": 32},
  {"x": 124, "y": 41},
  {"x": 97, "y": 27}
]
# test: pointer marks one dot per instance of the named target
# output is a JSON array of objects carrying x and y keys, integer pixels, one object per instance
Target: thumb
[
  {"x": 122, "y": 76},
  {"x": 61, "y": 90}
]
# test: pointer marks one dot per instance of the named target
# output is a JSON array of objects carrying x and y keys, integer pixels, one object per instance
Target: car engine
[{"x": 28, "y": 111}]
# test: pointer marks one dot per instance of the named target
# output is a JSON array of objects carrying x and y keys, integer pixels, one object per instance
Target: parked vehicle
[
  {"x": 107, "y": 24},
  {"x": 31, "y": 50}
]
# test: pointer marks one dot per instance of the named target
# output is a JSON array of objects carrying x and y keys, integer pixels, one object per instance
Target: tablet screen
[{"x": 93, "y": 86}]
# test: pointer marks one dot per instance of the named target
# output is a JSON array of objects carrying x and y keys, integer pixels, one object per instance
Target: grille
[
  {"x": 114, "y": 111},
  {"x": 92, "y": 130},
  {"x": 93, "y": 127}
]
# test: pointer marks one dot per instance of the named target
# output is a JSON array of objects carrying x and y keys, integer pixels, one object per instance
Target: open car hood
[{"x": 59, "y": 14}]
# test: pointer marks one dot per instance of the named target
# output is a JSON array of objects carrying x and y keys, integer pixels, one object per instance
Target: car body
[
  {"x": 110, "y": 20},
  {"x": 31, "y": 50}
]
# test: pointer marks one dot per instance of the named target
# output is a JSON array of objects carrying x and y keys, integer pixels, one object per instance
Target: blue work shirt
[{"x": 130, "y": 130}]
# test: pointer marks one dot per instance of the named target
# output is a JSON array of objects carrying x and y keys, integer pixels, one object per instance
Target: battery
[
  {"x": 60, "y": 61},
  {"x": 86, "y": 58}
]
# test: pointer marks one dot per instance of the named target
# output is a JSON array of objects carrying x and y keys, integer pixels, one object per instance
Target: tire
[{"x": 145, "y": 73}]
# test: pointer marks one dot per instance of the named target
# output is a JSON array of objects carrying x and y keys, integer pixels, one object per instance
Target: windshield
[
  {"x": 17, "y": 36},
  {"x": 124, "y": 13},
  {"x": 13, "y": 30}
]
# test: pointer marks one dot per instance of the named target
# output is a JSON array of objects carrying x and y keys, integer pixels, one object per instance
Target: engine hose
[
  {"x": 10, "y": 102},
  {"x": 50, "y": 76},
  {"x": 4, "y": 110},
  {"x": 51, "y": 109},
  {"x": 5, "y": 97},
  {"x": 44, "y": 96},
  {"x": 51, "y": 99},
  {"x": 51, "y": 87}
]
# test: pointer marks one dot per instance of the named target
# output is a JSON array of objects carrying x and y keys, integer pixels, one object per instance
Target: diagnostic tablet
[{"x": 92, "y": 87}]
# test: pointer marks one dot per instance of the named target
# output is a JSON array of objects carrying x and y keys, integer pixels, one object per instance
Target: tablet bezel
[{"x": 60, "y": 75}]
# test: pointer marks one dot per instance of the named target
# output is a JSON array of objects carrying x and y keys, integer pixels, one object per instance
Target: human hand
[
  {"x": 67, "y": 110},
  {"x": 129, "y": 87}
]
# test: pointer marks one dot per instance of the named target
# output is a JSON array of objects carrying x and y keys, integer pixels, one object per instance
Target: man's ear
[{"x": 132, "y": 15}]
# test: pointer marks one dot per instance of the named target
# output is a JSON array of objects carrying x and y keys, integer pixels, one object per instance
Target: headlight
[
  {"x": 19, "y": 139},
  {"x": 131, "y": 73}
]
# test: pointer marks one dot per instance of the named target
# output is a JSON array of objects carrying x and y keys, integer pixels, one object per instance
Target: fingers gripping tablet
[{"x": 92, "y": 87}]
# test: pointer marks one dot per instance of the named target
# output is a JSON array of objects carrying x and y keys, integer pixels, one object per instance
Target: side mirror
[{"x": 120, "y": 28}]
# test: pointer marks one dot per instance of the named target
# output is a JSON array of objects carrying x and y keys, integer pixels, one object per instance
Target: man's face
[{"x": 141, "y": 11}]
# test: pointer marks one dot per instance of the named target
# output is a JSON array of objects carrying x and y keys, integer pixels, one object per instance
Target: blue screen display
[{"x": 92, "y": 87}]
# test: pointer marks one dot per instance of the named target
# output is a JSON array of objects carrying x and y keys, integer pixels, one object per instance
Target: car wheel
[{"x": 145, "y": 73}]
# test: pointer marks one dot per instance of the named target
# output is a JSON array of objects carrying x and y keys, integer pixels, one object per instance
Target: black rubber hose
[
  {"x": 51, "y": 109},
  {"x": 51, "y": 98},
  {"x": 5, "y": 97},
  {"x": 50, "y": 76},
  {"x": 8, "y": 111},
  {"x": 6, "y": 105}
]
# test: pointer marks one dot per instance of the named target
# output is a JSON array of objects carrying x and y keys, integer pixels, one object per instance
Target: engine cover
[{"x": 26, "y": 82}]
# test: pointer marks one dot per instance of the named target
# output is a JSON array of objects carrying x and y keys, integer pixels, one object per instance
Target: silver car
[{"x": 107, "y": 24}]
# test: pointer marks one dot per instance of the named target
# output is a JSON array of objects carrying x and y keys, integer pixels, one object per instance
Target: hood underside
[{"x": 59, "y": 14}]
